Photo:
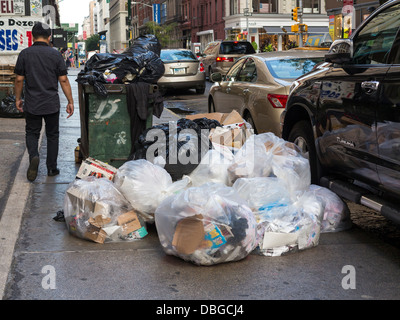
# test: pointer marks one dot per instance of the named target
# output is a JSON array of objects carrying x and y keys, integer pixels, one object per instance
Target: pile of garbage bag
[
  {"x": 140, "y": 62},
  {"x": 8, "y": 108},
  {"x": 256, "y": 197}
]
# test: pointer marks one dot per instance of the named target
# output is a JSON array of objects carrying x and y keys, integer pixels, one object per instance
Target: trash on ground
[{"x": 256, "y": 197}]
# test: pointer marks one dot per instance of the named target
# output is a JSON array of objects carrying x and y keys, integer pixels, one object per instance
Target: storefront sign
[
  {"x": 6, "y": 7},
  {"x": 15, "y": 34}
]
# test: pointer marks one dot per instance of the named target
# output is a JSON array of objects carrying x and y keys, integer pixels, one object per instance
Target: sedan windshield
[
  {"x": 180, "y": 55},
  {"x": 291, "y": 68}
]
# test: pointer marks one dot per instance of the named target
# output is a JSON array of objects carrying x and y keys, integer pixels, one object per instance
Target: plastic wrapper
[
  {"x": 206, "y": 225},
  {"x": 95, "y": 210},
  {"x": 289, "y": 227},
  {"x": 145, "y": 185},
  {"x": 212, "y": 168},
  {"x": 336, "y": 215}
]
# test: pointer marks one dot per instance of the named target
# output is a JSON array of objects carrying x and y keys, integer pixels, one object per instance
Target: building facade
[
  {"x": 119, "y": 40},
  {"x": 343, "y": 21}
]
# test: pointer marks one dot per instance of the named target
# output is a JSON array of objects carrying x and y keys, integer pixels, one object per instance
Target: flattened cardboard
[
  {"x": 222, "y": 118},
  {"x": 189, "y": 234},
  {"x": 212, "y": 116}
]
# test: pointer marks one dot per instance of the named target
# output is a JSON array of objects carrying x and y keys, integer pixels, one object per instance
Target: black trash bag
[
  {"x": 8, "y": 108},
  {"x": 188, "y": 142},
  {"x": 143, "y": 44},
  {"x": 103, "y": 61},
  {"x": 151, "y": 67}
]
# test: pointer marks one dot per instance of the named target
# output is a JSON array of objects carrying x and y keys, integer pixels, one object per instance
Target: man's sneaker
[
  {"x": 33, "y": 169},
  {"x": 53, "y": 172}
]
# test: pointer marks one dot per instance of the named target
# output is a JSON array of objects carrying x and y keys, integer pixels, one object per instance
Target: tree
[
  {"x": 163, "y": 32},
  {"x": 92, "y": 43}
]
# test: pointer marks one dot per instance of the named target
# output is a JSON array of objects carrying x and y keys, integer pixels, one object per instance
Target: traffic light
[
  {"x": 303, "y": 27},
  {"x": 295, "y": 14},
  {"x": 295, "y": 28}
]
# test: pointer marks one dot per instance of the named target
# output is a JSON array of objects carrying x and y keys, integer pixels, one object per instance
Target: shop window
[{"x": 311, "y": 6}]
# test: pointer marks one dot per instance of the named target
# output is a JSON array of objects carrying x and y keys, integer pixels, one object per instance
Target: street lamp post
[{"x": 152, "y": 11}]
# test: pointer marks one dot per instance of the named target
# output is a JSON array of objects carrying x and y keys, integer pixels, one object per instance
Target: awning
[
  {"x": 278, "y": 30},
  {"x": 203, "y": 33},
  {"x": 318, "y": 29}
]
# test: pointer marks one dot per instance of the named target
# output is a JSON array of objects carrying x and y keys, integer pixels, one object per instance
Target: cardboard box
[
  {"x": 189, "y": 235},
  {"x": 95, "y": 234},
  {"x": 78, "y": 200},
  {"x": 222, "y": 118},
  {"x": 229, "y": 137},
  {"x": 129, "y": 222},
  {"x": 95, "y": 168}
]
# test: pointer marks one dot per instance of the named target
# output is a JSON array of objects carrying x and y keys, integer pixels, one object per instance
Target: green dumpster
[{"x": 106, "y": 124}]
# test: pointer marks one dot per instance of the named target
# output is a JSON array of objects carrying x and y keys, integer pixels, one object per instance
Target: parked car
[
  {"x": 345, "y": 114},
  {"x": 257, "y": 86},
  {"x": 219, "y": 56},
  {"x": 182, "y": 71}
]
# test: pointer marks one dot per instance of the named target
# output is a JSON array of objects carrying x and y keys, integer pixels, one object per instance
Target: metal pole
[
  {"x": 247, "y": 20},
  {"x": 301, "y": 22}
]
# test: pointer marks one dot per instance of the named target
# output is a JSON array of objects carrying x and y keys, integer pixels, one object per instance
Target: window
[
  {"x": 291, "y": 68},
  {"x": 174, "y": 55},
  {"x": 373, "y": 43},
  {"x": 248, "y": 72},
  {"x": 311, "y": 6},
  {"x": 233, "y": 7},
  {"x": 265, "y": 6},
  {"x": 236, "y": 47},
  {"x": 234, "y": 71}
]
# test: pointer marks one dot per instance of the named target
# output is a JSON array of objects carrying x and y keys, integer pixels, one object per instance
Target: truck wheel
[{"x": 301, "y": 135}]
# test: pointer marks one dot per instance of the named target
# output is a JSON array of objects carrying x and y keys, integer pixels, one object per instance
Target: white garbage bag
[
  {"x": 206, "y": 225},
  {"x": 146, "y": 185},
  {"x": 95, "y": 210}
]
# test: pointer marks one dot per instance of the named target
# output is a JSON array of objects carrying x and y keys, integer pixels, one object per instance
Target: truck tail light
[{"x": 278, "y": 100}]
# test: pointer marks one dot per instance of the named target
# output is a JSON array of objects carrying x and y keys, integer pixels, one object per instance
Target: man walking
[{"x": 41, "y": 68}]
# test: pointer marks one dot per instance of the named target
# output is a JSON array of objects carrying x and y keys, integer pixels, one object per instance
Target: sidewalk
[{"x": 27, "y": 227}]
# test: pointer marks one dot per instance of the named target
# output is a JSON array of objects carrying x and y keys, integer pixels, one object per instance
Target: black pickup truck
[{"x": 345, "y": 115}]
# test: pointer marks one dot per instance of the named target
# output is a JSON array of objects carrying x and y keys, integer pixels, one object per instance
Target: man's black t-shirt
[{"x": 41, "y": 66}]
